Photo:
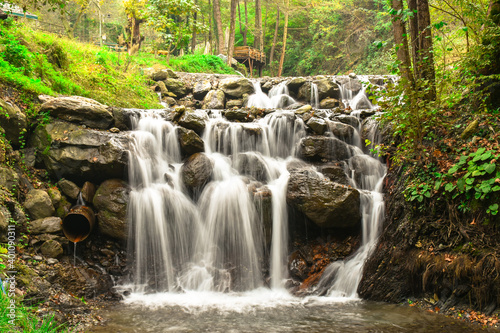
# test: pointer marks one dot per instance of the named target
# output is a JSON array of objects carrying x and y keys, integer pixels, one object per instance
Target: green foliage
[{"x": 200, "y": 64}]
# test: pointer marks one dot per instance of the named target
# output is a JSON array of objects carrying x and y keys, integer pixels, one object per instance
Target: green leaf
[
  {"x": 490, "y": 167},
  {"x": 461, "y": 184},
  {"x": 453, "y": 169},
  {"x": 449, "y": 187},
  {"x": 486, "y": 156},
  {"x": 469, "y": 181},
  {"x": 437, "y": 185}
]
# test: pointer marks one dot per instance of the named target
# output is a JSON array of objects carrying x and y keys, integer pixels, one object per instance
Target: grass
[
  {"x": 41, "y": 63},
  {"x": 26, "y": 319}
]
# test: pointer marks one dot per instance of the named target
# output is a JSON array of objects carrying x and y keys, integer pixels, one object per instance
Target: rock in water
[
  {"x": 196, "y": 172},
  {"x": 327, "y": 204},
  {"x": 236, "y": 87},
  {"x": 215, "y": 99}
]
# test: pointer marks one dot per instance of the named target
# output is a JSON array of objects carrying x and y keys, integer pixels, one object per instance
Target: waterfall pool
[{"x": 267, "y": 311}]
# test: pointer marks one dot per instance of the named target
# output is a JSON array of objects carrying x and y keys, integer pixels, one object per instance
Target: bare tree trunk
[
  {"x": 271, "y": 56},
  {"x": 401, "y": 42},
  {"x": 258, "y": 26},
  {"x": 134, "y": 44},
  {"x": 239, "y": 21},
  {"x": 193, "y": 39},
  {"x": 414, "y": 44},
  {"x": 245, "y": 42},
  {"x": 426, "y": 53},
  {"x": 210, "y": 39},
  {"x": 220, "y": 32},
  {"x": 232, "y": 31},
  {"x": 285, "y": 32}
]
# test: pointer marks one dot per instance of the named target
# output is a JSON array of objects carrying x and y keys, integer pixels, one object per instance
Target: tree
[
  {"x": 285, "y": 32},
  {"x": 275, "y": 37},
  {"x": 258, "y": 41},
  {"x": 69, "y": 24},
  {"x": 232, "y": 31},
  {"x": 401, "y": 41},
  {"x": 135, "y": 15},
  {"x": 170, "y": 20},
  {"x": 218, "y": 21}
]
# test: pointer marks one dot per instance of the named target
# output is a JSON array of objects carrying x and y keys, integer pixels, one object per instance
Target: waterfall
[
  {"x": 314, "y": 95},
  {"x": 353, "y": 94},
  {"x": 279, "y": 97},
  {"x": 341, "y": 278},
  {"x": 217, "y": 240}
]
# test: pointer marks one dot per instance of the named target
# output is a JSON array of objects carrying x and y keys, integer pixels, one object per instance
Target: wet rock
[
  {"x": 79, "y": 110},
  {"x": 349, "y": 120},
  {"x": 69, "y": 188},
  {"x": 304, "y": 93},
  {"x": 294, "y": 106},
  {"x": 238, "y": 115},
  {"x": 215, "y": 99},
  {"x": 9, "y": 179},
  {"x": 367, "y": 113},
  {"x": 111, "y": 201},
  {"x": 329, "y": 103},
  {"x": 238, "y": 103},
  {"x": 303, "y": 109},
  {"x": 38, "y": 204},
  {"x": 201, "y": 89},
  {"x": 316, "y": 148},
  {"x": 236, "y": 87},
  {"x": 335, "y": 173},
  {"x": 194, "y": 120},
  {"x": 318, "y": 125},
  {"x": 80, "y": 154},
  {"x": 341, "y": 130},
  {"x": 327, "y": 88},
  {"x": 352, "y": 85},
  {"x": 51, "y": 249},
  {"x": 366, "y": 170},
  {"x": 295, "y": 83},
  {"x": 55, "y": 196},
  {"x": 327, "y": 204},
  {"x": 178, "y": 87},
  {"x": 13, "y": 121},
  {"x": 48, "y": 225},
  {"x": 88, "y": 191},
  {"x": 298, "y": 266},
  {"x": 121, "y": 119},
  {"x": 197, "y": 172},
  {"x": 190, "y": 142},
  {"x": 251, "y": 164},
  {"x": 264, "y": 204}
]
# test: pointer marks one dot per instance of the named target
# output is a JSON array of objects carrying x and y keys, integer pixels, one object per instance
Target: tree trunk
[
  {"x": 426, "y": 53},
  {"x": 220, "y": 32},
  {"x": 210, "y": 39},
  {"x": 413, "y": 24},
  {"x": 258, "y": 26},
  {"x": 401, "y": 41},
  {"x": 245, "y": 42},
  {"x": 232, "y": 31},
  {"x": 285, "y": 32},
  {"x": 134, "y": 43},
  {"x": 193, "y": 39},
  {"x": 271, "y": 56}
]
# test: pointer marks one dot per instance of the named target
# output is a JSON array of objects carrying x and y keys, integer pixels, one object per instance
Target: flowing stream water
[{"x": 198, "y": 258}]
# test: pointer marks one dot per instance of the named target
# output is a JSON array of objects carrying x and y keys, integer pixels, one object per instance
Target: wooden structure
[{"x": 250, "y": 57}]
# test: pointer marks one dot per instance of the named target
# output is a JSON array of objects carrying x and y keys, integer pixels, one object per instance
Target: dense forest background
[{"x": 323, "y": 37}]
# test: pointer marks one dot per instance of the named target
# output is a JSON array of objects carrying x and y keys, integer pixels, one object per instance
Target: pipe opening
[{"x": 78, "y": 224}]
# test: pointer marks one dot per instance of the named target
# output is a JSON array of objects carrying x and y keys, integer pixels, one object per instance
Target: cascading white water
[
  {"x": 314, "y": 95},
  {"x": 341, "y": 278},
  {"x": 279, "y": 97},
  {"x": 215, "y": 241},
  {"x": 355, "y": 101}
]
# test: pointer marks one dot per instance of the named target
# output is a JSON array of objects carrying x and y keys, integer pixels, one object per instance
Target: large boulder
[
  {"x": 236, "y": 87},
  {"x": 48, "y": 225},
  {"x": 9, "y": 179},
  {"x": 295, "y": 83},
  {"x": 238, "y": 115},
  {"x": 329, "y": 103},
  {"x": 38, "y": 204},
  {"x": 194, "y": 120},
  {"x": 80, "y": 154},
  {"x": 197, "y": 172},
  {"x": 79, "y": 110},
  {"x": 178, "y": 87},
  {"x": 318, "y": 125},
  {"x": 215, "y": 99},
  {"x": 189, "y": 141},
  {"x": 341, "y": 130},
  {"x": 201, "y": 89},
  {"x": 327, "y": 88},
  {"x": 161, "y": 74},
  {"x": 319, "y": 148},
  {"x": 111, "y": 200},
  {"x": 327, "y": 204},
  {"x": 13, "y": 121},
  {"x": 252, "y": 164}
]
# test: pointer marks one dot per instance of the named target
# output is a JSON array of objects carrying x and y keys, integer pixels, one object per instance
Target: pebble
[
  {"x": 37, "y": 258},
  {"x": 52, "y": 261}
]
